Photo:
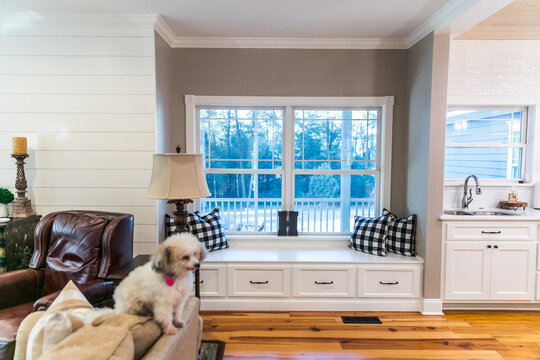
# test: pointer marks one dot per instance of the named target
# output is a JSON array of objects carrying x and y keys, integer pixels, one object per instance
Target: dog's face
[{"x": 179, "y": 254}]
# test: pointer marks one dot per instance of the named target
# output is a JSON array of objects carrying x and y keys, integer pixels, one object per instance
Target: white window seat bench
[{"x": 333, "y": 278}]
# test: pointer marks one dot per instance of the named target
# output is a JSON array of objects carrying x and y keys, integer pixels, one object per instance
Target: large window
[
  {"x": 490, "y": 143},
  {"x": 326, "y": 162}
]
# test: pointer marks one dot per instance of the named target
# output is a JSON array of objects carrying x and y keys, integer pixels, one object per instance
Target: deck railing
[{"x": 314, "y": 214}]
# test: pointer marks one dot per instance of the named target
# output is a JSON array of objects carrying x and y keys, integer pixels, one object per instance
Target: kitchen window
[
  {"x": 488, "y": 142},
  {"x": 327, "y": 158}
]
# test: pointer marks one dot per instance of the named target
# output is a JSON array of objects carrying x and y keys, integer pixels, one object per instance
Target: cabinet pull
[
  {"x": 389, "y": 283},
  {"x": 200, "y": 282},
  {"x": 489, "y": 246},
  {"x": 324, "y": 282},
  {"x": 496, "y": 246},
  {"x": 258, "y": 282},
  {"x": 491, "y": 232}
]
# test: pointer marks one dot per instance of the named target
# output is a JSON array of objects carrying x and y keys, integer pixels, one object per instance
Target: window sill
[
  {"x": 274, "y": 237},
  {"x": 488, "y": 183}
]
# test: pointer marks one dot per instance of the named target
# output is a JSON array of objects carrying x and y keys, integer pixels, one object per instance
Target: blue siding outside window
[{"x": 487, "y": 143}]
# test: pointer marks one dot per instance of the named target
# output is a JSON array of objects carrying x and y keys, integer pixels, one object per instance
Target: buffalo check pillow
[
  {"x": 369, "y": 235},
  {"x": 401, "y": 234},
  {"x": 208, "y": 229}
]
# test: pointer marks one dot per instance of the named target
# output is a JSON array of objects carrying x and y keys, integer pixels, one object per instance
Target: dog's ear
[
  {"x": 162, "y": 259},
  {"x": 203, "y": 252},
  {"x": 157, "y": 261}
]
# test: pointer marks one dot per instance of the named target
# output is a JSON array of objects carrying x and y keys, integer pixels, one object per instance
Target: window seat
[
  {"x": 339, "y": 256},
  {"x": 277, "y": 275}
]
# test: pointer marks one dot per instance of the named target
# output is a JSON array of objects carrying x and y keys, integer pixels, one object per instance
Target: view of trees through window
[
  {"x": 489, "y": 143},
  {"x": 331, "y": 166}
]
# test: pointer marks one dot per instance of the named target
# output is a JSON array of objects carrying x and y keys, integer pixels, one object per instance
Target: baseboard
[
  {"x": 311, "y": 305},
  {"x": 432, "y": 307},
  {"x": 492, "y": 306}
]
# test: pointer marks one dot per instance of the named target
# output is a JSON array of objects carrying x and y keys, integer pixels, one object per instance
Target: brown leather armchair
[{"x": 83, "y": 246}]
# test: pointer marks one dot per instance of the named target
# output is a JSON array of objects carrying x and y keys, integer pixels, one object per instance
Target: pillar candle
[{"x": 19, "y": 146}]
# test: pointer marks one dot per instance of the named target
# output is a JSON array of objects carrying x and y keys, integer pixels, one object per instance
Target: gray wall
[
  {"x": 426, "y": 89},
  {"x": 419, "y": 106},
  {"x": 278, "y": 72}
]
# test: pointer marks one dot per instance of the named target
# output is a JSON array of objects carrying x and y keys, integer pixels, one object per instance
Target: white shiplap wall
[{"x": 82, "y": 89}]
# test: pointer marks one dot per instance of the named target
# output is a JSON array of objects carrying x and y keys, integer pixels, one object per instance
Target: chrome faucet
[{"x": 467, "y": 199}]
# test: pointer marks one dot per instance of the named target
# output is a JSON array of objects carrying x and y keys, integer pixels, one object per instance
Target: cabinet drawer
[
  {"x": 213, "y": 280},
  {"x": 323, "y": 281},
  {"x": 491, "y": 230},
  {"x": 395, "y": 281},
  {"x": 257, "y": 280}
]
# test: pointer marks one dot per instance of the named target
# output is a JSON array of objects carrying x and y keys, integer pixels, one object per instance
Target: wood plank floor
[{"x": 460, "y": 335}]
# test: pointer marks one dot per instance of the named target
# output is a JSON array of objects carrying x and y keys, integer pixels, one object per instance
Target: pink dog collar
[{"x": 169, "y": 280}]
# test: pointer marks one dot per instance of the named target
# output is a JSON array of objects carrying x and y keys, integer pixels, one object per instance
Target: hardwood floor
[{"x": 322, "y": 335}]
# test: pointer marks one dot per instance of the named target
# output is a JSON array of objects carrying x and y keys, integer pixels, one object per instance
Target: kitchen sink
[
  {"x": 457, "y": 212},
  {"x": 480, "y": 212}
]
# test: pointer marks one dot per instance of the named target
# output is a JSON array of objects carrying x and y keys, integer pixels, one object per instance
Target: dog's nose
[{"x": 197, "y": 265}]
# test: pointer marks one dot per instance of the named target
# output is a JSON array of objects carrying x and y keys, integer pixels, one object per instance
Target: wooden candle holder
[{"x": 22, "y": 206}]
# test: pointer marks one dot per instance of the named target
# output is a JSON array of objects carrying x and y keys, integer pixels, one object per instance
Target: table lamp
[{"x": 178, "y": 178}]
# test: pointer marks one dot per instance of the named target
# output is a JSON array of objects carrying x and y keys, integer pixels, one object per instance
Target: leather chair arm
[
  {"x": 19, "y": 287},
  {"x": 95, "y": 292}
]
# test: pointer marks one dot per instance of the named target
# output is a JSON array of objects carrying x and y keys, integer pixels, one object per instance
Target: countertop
[{"x": 528, "y": 215}]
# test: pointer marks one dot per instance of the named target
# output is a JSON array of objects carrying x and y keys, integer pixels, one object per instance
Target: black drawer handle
[
  {"x": 200, "y": 282},
  {"x": 258, "y": 282},
  {"x": 491, "y": 232},
  {"x": 389, "y": 283},
  {"x": 496, "y": 246},
  {"x": 323, "y": 282}
]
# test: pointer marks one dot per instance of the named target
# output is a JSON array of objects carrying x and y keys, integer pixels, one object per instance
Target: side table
[
  {"x": 17, "y": 243},
  {"x": 139, "y": 260}
]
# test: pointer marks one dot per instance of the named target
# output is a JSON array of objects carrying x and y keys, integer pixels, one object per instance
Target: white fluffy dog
[{"x": 162, "y": 286}]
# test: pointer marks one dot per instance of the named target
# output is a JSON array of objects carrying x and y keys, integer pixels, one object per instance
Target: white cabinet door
[
  {"x": 467, "y": 270},
  {"x": 513, "y": 272}
]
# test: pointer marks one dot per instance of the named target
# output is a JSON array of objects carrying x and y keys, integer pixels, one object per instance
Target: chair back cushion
[{"x": 74, "y": 249}]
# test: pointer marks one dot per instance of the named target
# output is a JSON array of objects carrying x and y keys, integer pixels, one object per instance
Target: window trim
[
  {"x": 384, "y": 146},
  {"x": 526, "y": 143}
]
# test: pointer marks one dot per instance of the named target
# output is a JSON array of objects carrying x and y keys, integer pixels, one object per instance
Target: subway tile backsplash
[{"x": 491, "y": 195}]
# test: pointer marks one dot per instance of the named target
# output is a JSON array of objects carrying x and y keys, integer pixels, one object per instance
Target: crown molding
[
  {"x": 163, "y": 29},
  {"x": 71, "y": 18},
  {"x": 442, "y": 18}
]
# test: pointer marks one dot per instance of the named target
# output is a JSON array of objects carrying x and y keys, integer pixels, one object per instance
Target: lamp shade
[{"x": 178, "y": 176}]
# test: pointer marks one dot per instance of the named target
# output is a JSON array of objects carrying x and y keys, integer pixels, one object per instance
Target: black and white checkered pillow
[
  {"x": 208, "y": 229},
  {"x": 401, "y": 234},
  {"x": 170, "y": 226},
  {"x": 369, "y": 235}
]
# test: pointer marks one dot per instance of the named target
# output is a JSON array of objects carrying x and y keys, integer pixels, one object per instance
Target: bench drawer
[
  {"x": 257, "y": 280},
  {"x": 491, "y": 230},
  {"x": 323, "y": 281},
  {"x": 213, "y": 280},
  {"x": 385, "y": 281}
]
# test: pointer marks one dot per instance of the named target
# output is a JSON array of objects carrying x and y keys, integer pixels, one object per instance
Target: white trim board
[
  {"x": 455, "y": 17},
  {"x": 432, "y": 307},
  {"x": 321, "y": 304}
]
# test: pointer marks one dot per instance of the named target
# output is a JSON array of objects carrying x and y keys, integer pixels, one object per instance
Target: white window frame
[
  {"x": 525, "y": 103},
  {"x": 384, "y": 140}
]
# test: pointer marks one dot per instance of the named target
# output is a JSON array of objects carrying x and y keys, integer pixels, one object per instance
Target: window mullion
[{"x": 288, "y": 159}]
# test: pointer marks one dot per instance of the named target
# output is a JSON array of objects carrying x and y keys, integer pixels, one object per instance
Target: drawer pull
[
  {"x": 200, "y": 282},
  {"x": 496, "y": 246},
  {"x": 323, "y": 282},
  {"x": 491, "y": 232},
  {"x": 489, "y": 246},
  {"x": 258, "y": 282},
  {"x": 389, "y": 283}
]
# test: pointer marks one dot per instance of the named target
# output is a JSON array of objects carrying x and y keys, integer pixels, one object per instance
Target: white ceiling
[{"x": 261, "y": 18}]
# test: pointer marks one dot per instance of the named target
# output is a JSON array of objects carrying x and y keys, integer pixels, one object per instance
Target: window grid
[{"x": 288, "y": 154}]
